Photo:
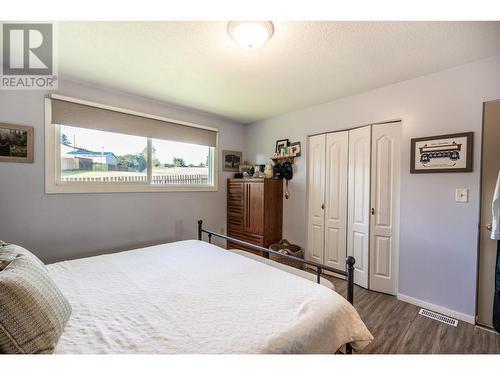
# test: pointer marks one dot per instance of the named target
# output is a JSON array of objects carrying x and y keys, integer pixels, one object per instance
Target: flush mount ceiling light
[{"x": 250, "y": 34}]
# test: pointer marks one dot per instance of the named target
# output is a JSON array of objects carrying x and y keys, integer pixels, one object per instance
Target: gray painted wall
[
  {"x": 438, "y": 245},
  {"x": 65, "y": 226}
]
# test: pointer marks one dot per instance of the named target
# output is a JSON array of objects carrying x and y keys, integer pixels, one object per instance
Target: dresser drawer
[
  {"x": 247, "y": 237},
  {"x": 234, "y": 220},
  {"x": 235, "y": 189},
  {"x": 235, "y": 210}
]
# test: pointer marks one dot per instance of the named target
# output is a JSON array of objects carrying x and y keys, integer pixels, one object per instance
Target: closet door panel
[
  {"x": 385, "y": 203},
  {"x": 316, "y": 191},
  {"x": 358, "y": 217},
  {"x": 336, "y": 199},
  {"x": 316, "y": 242}
]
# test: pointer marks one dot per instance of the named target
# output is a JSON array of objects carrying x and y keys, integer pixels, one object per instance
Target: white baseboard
[{"x": 439, "y": 309}]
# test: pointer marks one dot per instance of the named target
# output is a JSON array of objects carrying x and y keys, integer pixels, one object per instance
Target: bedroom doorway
[{"x": 490, "y": 166}]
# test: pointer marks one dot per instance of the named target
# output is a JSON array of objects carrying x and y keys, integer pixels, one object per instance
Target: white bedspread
[{"x": 193, "y": 297}]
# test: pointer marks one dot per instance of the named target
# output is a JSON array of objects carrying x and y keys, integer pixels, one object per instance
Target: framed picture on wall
[
  {"x": 442, "y": 153},
  {"x": 280, "y": 144},
  {"x": 16, "y": 143},
  {"x": 231, "y": 160},
  {"x": 295, "y": 149}
]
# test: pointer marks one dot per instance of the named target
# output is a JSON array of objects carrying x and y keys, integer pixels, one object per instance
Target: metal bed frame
[{"x": 349, "y": 273}]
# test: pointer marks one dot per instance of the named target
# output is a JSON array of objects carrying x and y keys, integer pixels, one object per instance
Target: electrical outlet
[{"x": 461, "y": 195}]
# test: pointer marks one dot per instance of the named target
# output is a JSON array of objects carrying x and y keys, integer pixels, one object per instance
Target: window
[
  {"x": 180, "y": 163},
  {"x": 97, "y": 151}
]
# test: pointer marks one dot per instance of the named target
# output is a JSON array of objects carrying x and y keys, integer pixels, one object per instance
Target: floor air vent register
[{"x": 440, "y": 318}]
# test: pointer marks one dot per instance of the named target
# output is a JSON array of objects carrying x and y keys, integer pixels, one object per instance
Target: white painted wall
[
  {"x": 438, "y": 246},
  {"x": 65, "y": 226}
]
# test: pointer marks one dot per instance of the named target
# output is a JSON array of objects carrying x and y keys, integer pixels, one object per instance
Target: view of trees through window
[{"x": 89, "y": 155}]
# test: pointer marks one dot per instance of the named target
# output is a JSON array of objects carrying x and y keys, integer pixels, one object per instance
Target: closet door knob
[
  {"x": 373, "y": 211},
  {"x": 322, "y": 206},
  {"x": 489, "y": 227}
]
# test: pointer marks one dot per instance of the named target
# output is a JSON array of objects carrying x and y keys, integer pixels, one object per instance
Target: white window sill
[{"x": 123, "y": 188}]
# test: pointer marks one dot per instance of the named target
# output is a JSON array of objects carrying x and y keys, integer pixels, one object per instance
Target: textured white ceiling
[{"x": 196, "y": 64}]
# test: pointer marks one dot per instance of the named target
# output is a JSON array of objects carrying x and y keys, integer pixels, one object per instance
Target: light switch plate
[{"x": 461, "y": 195}]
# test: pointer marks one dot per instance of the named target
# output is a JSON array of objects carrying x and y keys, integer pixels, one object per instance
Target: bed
[
  {"x": 301, "y": 273},
  {"x": 195, "y": 297}
]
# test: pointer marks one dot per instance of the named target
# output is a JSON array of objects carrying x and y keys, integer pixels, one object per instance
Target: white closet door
[
  {"x": 384, "y": 229},
  {"x": 316, "y": 189},
  {"x": 359, "y": 202},
  {"x": 336, "y": 199}
]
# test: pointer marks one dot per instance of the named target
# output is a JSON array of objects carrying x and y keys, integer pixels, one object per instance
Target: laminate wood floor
[{"x": 399, "y": 329}]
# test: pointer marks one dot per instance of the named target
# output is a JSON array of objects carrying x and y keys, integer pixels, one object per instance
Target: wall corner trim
[{"x": 439, "y": 309}]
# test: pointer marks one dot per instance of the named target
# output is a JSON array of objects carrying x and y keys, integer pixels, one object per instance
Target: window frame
[{"x": 54, "y": 185}]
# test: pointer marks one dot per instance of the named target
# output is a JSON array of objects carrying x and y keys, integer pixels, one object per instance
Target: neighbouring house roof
[{"x": 90, "y": 153}]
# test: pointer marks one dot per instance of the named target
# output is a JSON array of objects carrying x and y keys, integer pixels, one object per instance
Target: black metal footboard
[{"x": 348, "y": 273}]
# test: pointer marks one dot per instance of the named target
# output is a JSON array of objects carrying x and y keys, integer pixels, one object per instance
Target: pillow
[
  {"x": 33, "y": 311},
  {"x": 9, "y": 252}
]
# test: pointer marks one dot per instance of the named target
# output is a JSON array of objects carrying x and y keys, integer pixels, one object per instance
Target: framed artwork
[
  {"x": 295, "y": 149},
  {"x": 280, "y": 144},
  {"x": 442, "y": 153},
  {"x": 246, "y": 168},
  {"x": 16, "y": 143},
  {"x": 232, "y": 160}
]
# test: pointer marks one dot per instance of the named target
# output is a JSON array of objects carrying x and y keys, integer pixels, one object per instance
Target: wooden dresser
[{"x": 254, "y": 211}]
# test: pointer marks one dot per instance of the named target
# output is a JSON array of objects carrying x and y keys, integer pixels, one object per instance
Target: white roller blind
[{"x": 86, "y": 116}]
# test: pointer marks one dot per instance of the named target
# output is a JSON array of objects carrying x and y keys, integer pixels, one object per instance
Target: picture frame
[
  {"x": 16, "y": 143},
  {"x": 295, "y": 149},
  {"x": 246, "y": 168},
  {"x": 280, "y": 144},
  {"x": 442, "y": 153},
  {"x": 231, "y": 160}
]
